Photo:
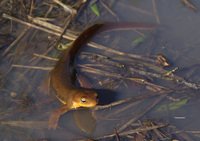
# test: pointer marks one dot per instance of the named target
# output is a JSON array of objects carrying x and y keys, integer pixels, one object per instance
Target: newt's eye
[{"x": 83, "y": 100}]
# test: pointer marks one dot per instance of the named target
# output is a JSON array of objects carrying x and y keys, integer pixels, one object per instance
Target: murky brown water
[{"x": 25, "y": 109}]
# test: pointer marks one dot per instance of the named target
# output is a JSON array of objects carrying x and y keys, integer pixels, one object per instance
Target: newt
[{"x": 61, "y": 77}]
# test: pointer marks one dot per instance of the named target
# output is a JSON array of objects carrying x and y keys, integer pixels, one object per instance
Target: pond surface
[{"x": 146, "y": 101}]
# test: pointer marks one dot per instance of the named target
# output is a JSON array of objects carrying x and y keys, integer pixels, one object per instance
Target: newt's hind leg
[{"x": 53, "y": 121}]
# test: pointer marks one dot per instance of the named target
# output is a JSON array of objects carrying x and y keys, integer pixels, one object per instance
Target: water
[{"x": 179, "y": 41}]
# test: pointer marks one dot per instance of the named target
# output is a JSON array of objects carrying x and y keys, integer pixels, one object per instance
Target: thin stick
[
  {"x": 46, "y": 57},
  {"x": 37, "y": 27},
  {"x": 100, "y": 72},
  {"x": 27, "y": 124},
  {"x": 159, "y": 134},
  {"x": 97, "y": 46},
  {"x": 45, "y": 24},
  {"x": 140, "y": 129},
  {"x": 129, "y": 99},
  {"x": 69, "y": 19},
  {"x": 189, "y": 5},
  {"x": 113, "y": 104},
  {"x": 119, "y": 76},
  {"x": 116, "y": 134},
  {"x": 33, "y": 67},
  {"x": 32, "y": 7},
  {"x": 10, "y": 47},
  {"x": 156, "y": 101},
  {"x": 109, "y": 10},
  {"x": 122, "y": 5},
  {"x": 68, "y": 8},
  {"x": 155, "y": 12},
  {"x": 125, "y": 108}
]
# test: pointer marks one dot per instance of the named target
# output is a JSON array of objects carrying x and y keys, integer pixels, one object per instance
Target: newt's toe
[
  {"x": 52, "y": 125},
  {"x": 53, "y": 122}
]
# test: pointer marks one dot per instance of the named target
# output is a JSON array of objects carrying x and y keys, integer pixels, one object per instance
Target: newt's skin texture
[{"x": 61, "y": 77}]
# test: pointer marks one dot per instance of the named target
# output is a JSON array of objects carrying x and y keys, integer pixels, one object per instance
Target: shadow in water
[
  {"x": 106, "y": 96},
  {"x": 84, "y": 118}
]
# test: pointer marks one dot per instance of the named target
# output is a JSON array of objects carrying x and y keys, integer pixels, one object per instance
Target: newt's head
[{"x": 86, "y": 98}]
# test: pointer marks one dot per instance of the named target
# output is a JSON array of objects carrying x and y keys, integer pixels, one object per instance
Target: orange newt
[{"x": 61, "y": 77}]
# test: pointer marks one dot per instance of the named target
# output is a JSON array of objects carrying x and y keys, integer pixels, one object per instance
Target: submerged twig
[
  {"x": 66, "y": 7},
  {"x": 156, "y": 101},
  {"x": 162, "y": 74},
  {"x": 101, "y": 47},
  {"x": 140, "y": 129},
  {"x": 155, "y": 12},
  {"x": 16, "y": 40},
  {"x": 46, "y": 57},
  {"x": 134, "y": 8},
  {"x": 27, "y": 124},
  {"x": 33, "y": 67},
  {"x": 116, "y": 134},
  {"x": 109, "y": 10},
  {"x": 37, "y": 27},
  {"x": 119, "y": 76},
  {"x": 128, "y": 106},
  {"x": 99, "y": 72},
  {"x": 130, "y": 99},
  {"x": 189, "y": 5}
]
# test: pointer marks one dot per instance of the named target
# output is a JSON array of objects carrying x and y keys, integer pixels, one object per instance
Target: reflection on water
[
  {"x": 85, "y": 120},
  {"x": 138, "y": 90}
]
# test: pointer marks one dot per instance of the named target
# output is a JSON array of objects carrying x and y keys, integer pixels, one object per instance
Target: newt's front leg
[{"x": 53, "y": 121}]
